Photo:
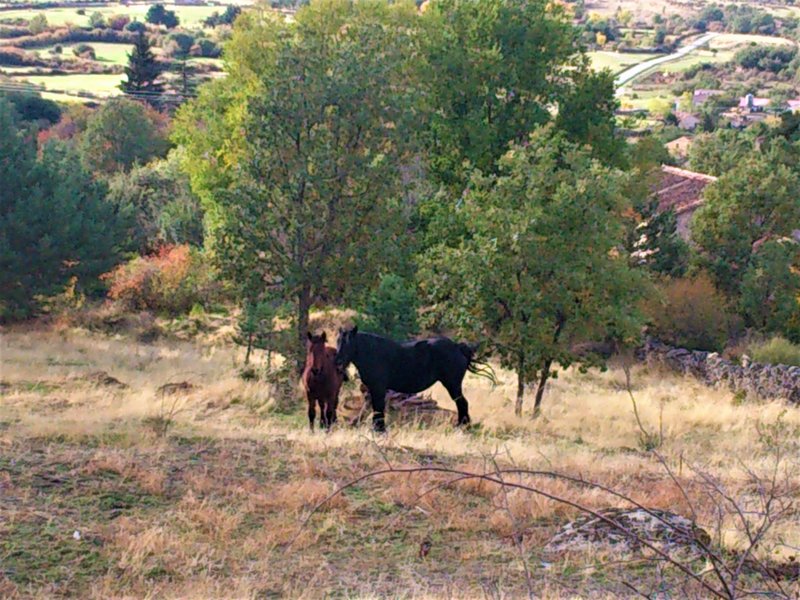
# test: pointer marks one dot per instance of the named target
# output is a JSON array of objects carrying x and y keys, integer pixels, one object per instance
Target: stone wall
[{"x": 756, "y": 380}]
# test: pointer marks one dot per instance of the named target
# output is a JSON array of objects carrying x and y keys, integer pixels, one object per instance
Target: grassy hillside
[{"x": 96, "y": 502}]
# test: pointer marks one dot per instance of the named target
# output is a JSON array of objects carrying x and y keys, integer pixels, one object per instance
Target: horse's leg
[
  {"x": 378, "y": 397},
  {"x": 332, "y": 403},
  {"x": 311, "y": 411},
  {"x": 323, "y": 414},
  {"x": 454, "y": 389}
]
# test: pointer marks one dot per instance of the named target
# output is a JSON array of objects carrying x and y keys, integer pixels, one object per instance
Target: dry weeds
[{"x": 213, "y": 508}]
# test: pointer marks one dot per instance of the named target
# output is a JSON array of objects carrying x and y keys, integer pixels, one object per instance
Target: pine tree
[{"x": 143, "y": 70}]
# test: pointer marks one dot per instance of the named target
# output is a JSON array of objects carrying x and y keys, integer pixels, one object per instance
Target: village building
[
  {"x": 700, "y": 96},
  {"x": 679, "y": 148},
  {"x": 681, "y": 190},
  {"x": 687, "y": 121}
]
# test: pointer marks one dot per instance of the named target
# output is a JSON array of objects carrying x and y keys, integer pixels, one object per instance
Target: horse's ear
[
  {"x": 324, "y": 337},
  {"x": 354, "y": 330},
  {"x": 310, "y": 337}
]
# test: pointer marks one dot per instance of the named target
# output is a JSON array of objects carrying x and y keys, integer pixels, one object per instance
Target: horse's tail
[{"x": 478, "y": 366}]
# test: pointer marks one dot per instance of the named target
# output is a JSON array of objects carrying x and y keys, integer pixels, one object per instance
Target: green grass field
[
  {"x": 101, "y": 85},
  {"x": 617, "y": 61},
  {"x": 190, "y": 16},
  {"x": 105, "y": 52}
]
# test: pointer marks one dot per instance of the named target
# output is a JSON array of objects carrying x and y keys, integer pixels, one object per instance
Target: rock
[
  {"x": 104, "y": 379},
  {"x": 180, "y": 387},
  {"x": 669, "y": 532}
]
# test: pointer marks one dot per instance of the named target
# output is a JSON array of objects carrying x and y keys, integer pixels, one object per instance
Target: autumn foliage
[{"x": 171, "y": 281}]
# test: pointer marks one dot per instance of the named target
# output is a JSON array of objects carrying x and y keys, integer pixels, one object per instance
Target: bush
[
  {"x": 136, "y": 27},
  {"x": 119, "y": 22},
  {"x": 691, "y": 314},
  {"x": 171, "y": 281},
  {"x": 84, "y": 51},
  {"x": 776, "y": 351}
]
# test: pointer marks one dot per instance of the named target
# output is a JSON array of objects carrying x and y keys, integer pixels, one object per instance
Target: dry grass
[{"x": 213, "y": 508}]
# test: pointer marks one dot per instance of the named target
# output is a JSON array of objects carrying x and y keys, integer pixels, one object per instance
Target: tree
[
  {"x": 770, "y": 299},
  {"x": 541, "y": 267},
  {"x": 37, "y": 24},
  {"x": 493, "y": 69},
  {"x": 97, "y": 20},
  {"x": 55, "y": 226},
  {"x": 158, "y": 15},
  {"x": 391, "y": 309},
  {"x": 121, "y": 133},
  {"x": 160, "y": 204},
  {"x": 718, "y": 153},
  {"x": 143, "y": 69},
  {"x": 753, "y": 203},
  {"x": 297, "y": 154}
]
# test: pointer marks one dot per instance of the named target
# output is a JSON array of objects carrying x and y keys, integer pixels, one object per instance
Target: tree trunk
[
  {"x": 249, "y": 348},
  {"x": 520, "y": 384},
  {"x": 540, "y": 388},
  {"x": 303, "y": 308}
]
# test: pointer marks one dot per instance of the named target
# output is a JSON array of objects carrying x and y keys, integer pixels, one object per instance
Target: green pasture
[
  {"x": 617, "y": 61},
  {"x": 101, "y": 85},
  {"x": 105, "y": 52},
  {"x": 190, "y": 16}
]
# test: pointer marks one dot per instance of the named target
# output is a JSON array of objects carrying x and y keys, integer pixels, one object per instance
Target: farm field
[
  {"x": 104, "y": 503},
  {"x": 104, "y": 52},
  {"x": 616, "y": 61},
  {"x": 101, "y": 84},
  {"x": 190, "y": 16}
]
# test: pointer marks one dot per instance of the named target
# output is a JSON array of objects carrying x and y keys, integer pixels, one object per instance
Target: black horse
[{"x": 408, "y": 367}]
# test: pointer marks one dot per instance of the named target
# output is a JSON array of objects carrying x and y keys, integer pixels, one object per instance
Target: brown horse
[{"x": 322, "y": 380}]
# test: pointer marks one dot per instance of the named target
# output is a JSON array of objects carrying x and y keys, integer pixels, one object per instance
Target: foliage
[
  {"x": 160, "y": 204},
  {"x": 296, "y": 154},
  {"x": 540, "y": 267},
  {"x": 54, "y": 223},
  {"x": 765, "y": 58},
  {"x": 391, "y": 309},
  {"x": 136, "y": 27},
  {"x": 143, "y": 70},
  {"x": 158, "y": 15},
  {"x": 493, "y": 69},
  {"x": 84, "y": 51},
  {"x": 38, "y": 23},
  {"x": 770, "y": 294},
  {"x": 121, "y": 133},
  {"x": 171, "y": 281},
  {"x": 32, "y": 107},
  {"x": 181, "y": 42},
  {"x": 755, "y": 201},
  {"x": 776, "y": 351},
  {"x": 718, "y": 153},
  {"x": 97, "y": 20},
  {"x": 119, "y": 22},
  {"x": 227, "y": 17},
  {"x": 690, "y": 313}
]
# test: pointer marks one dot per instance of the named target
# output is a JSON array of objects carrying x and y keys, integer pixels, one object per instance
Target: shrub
[
  {"x": 776, "y": 351},
  {"x": 97, "y": 21},
  {"x": 691, "y": 314},
  {"x": 136, "y": 27},
  {"x": 171, "y": 281},
  {"x": 38, "y": 24},
  {"x": 119, "y": 22},
  {"x": 84, "y": 51}
]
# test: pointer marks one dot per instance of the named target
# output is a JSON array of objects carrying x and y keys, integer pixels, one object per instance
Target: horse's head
[
  {"x": 316, "y": 358},
  {"x": 346, "y": 347}
]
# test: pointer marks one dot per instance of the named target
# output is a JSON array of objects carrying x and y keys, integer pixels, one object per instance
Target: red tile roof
[{"x": 680, "y": 190}]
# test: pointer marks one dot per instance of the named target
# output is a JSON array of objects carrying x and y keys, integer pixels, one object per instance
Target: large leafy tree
[
  {"x": 143, "y": 70},
  {"x": 121, "y": 133},
  {"x": 55, "y": 225},
  {"x": 297, "y": 154},
  {"x": 494, "y": 69},
  {"x": 540, "y": 268},
  {"x": 754, "y": 202}
]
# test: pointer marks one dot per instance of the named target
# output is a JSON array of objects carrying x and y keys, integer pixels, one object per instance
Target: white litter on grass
[{"x": 76, "y": 535}]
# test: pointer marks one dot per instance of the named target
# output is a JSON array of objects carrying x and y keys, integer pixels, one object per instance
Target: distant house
[
  {"x": 682, "y": 191},
  {"x": 753, "y": 104},
  {"x": 700, "y": 96},
  {"x": 687, "y": 121},
  {"x": 793, "y": 105},
  {"x": 679, "y": 148}
]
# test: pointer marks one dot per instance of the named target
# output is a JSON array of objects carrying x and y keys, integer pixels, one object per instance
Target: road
[{"x": 629, "y": 74}]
